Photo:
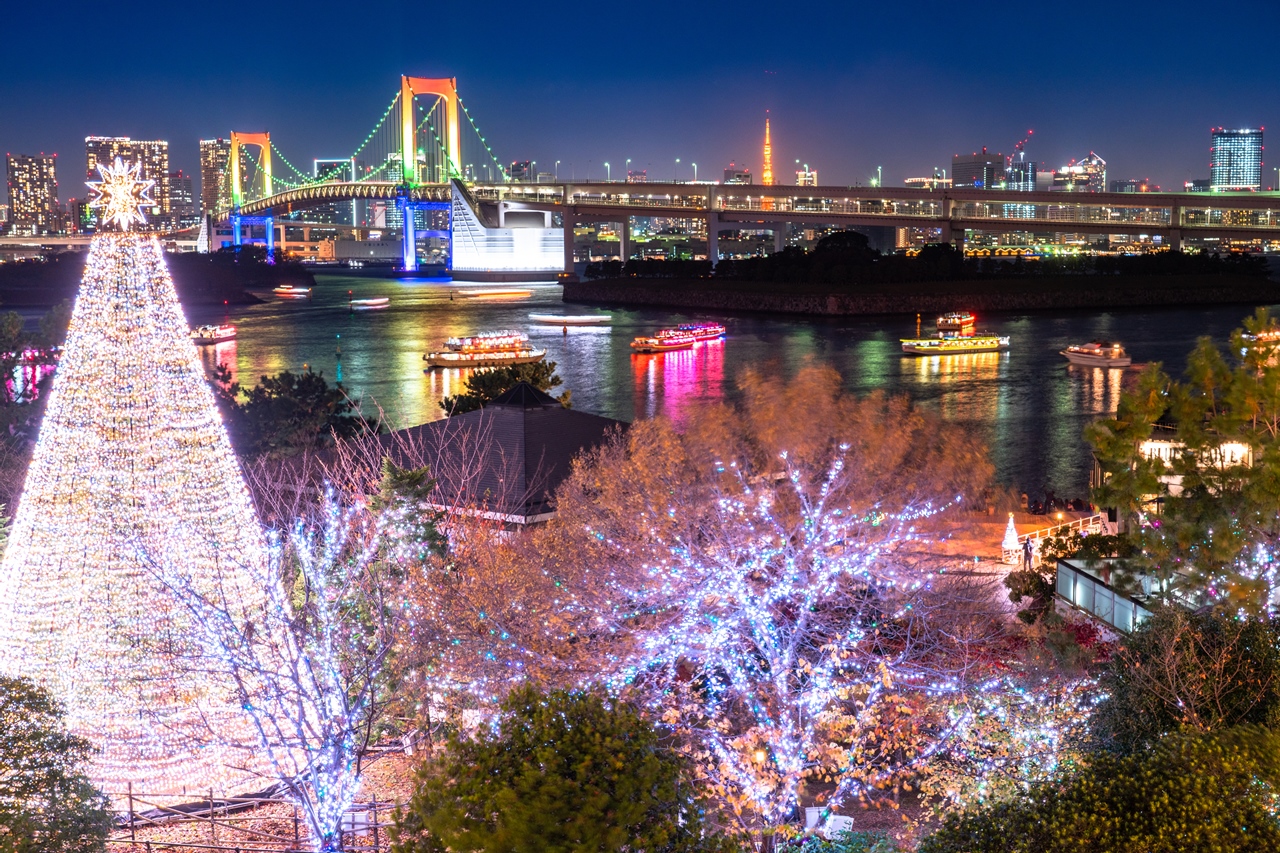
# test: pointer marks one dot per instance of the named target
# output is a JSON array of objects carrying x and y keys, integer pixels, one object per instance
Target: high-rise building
[
  {"x": 215, "y": 185},
  {"x": 1235, "y": 162},
  {"x": 4, "y": 214},
  {"x": 337, "y": 212},
  {"x": 33, "y": 194},
  {"x": 521, "y": 171},
  {"x": 806, "y": 177},
  {"x": 766, "y": 173},
  {"x": 1020, "y": 176},
  {"x": 735, "y": 175},
  {"x": 183, "y": 211},
  {"x": 978, "y": 170},
  {"x": 152, "y": 154},
  {"x": 1087, "y": 175}
]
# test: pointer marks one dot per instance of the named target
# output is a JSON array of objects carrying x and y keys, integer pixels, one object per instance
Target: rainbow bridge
[{"x": 418, "y": 162}]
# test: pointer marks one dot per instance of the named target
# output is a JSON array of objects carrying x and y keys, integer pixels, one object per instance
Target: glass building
[{"x": 1235, "y": 162}]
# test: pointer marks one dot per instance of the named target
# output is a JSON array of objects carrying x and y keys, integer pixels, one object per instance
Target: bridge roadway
[{"x": 1175, "y": 216}]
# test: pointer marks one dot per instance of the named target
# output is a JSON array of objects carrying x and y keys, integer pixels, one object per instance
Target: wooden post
[
  {"x": 133, "y": 832},
  {"x": 295, "y": 827},
  {"x": 213, "y": 827},
  {"x": 373, "y": 811}
]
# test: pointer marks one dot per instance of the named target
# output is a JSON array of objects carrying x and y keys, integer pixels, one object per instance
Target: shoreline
[{"x": 1026, "y": 294}]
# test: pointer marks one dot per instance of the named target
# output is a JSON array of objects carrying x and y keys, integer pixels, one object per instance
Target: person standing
[{"x": 1027, "y": 551}]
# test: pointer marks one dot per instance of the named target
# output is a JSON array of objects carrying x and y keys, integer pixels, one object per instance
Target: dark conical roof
[{"x": 524, "y": 396}]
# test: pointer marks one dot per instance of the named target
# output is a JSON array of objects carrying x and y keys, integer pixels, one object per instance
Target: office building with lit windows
[
  {"x": 1235, "y": 160},
  {"x": 335, "y": 212},
  {"x": 979, "y": 170},
  {"x": 215, "y": 186},
  {"x": 152, "y": 154},
  {"x": 33, "y": 194},
  {"x": 806, "y": 177}
]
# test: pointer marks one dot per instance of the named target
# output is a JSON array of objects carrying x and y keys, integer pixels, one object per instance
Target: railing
[
  {"x": 1093, "y": 595},
  {"x": 1096, "y": 523},
  {"x": 364, "y": 825}
]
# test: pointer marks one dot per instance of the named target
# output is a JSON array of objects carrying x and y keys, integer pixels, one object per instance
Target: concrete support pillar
[
  {"x": 568, "y": 242},
  {"x": 713, "y": 238},
  {"x": 624, "y": 239},
  {"x": 271, "y": 240},
  {"x": 1175, "y": 227},
  {"x": 779, "y": 236},
  {"x": 409, "y": 246},
  {"x": 235, "y": 230},
  {"x": 502, "y": 214}
]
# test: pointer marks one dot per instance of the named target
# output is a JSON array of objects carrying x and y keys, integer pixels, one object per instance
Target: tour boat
[
  {"x": 203, "y": 335},
  {"x": 288, "y": 291},
  {"x": 502, "y": 293},
  {"x": 666, "y": 340},
  {"x": 703, "y": 331},
  {"x": 1097, "y": 354},
  {"x": 370, "y": 304},
  {"x": 572, "y": 319},
  {"x": 486, "y": 349},
  {"x": 957, "y": 323},
  {"x": 953, "y": 344}
]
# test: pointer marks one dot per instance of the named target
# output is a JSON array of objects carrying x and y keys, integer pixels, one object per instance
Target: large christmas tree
[{"x": 132, "y": 462}]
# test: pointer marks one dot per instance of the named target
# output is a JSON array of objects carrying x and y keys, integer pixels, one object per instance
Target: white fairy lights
[
  {"x": 132, "y": 456},
  {"x": 121, "y": 194}
]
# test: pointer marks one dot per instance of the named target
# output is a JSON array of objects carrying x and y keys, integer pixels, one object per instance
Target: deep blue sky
[{"x": 850, "y": 86}]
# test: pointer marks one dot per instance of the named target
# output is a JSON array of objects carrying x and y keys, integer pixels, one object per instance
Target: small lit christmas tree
[
  {"x": 132, "y": 456},
  {"x": 1010, "y": 542}
]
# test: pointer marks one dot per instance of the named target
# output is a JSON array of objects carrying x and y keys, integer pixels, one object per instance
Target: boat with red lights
[
  {"x": 956, "y": 335},
  {"x": 703, "y": 331},
  {"x": 288, "y": 291},
  {"x": 666, "y": 340},
  {"x": 486, "y": 349},
  {"x": 206, "y": 335},
  {"x": 957, "y": 323}
]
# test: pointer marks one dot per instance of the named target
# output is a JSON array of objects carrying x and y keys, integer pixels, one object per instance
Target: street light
[
  {"x": 557, "y": 171},
  {"x": 608, "y": 173},
  {"x": 695, "y": 173},
  {"x": 675, "y": 174},
  {"x": 628, "y": 175}
]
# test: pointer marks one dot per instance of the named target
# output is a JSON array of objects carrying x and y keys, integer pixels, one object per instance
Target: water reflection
[{"x": 1026, "y": 404}]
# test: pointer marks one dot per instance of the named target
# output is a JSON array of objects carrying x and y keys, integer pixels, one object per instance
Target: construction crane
[{"x": 1020, "y": 148}]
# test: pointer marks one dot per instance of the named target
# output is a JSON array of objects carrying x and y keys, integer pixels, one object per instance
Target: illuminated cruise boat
[
  {"x": 486, "y": 349},
  {"x": 666, "y": 340},
  {"x": 288, "y": 291},
  {"x": 572, "y": 319},
  {"x": 370, "y": 304},
  {"x": 1097, "y": 354},
  {"x": 205, "y": 335},
  {"x": 702, "y": 331},
  {"x": 956, "y": 334},
  {"x": 948, "y": 345}
]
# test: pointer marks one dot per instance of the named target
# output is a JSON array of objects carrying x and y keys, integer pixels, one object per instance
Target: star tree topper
[{"x": 121, "y": 194}]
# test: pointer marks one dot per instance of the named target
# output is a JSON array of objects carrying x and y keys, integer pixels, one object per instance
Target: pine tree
[{"x": 132, "y": 458}]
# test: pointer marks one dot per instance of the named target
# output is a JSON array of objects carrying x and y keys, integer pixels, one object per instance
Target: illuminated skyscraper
[
  {"x": 33, "y": 194},
  {"x": 1235, "y": 163},
  {"x": 152, "y": 154},
  {"x": 337, "y": 212},
  {"x": 1086, "y": 175},
  {"x": 806, "y": 178},
  {"x": 766, "y": 173},
  {"x": 183, "y": 212},
  {"x": 215, "y": 188}
]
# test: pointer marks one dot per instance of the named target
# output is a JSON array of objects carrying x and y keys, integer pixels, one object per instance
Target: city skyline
[{"x": 895, "y": 97}]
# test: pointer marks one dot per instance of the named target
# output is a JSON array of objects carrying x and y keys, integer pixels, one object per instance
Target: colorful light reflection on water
[{"x": 1027, "y": 403}]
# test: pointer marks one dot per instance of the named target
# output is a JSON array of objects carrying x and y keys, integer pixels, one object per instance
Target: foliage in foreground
[
  {"x": 1201, "y": 671},
  {"x": 561, "y": 773},
  {"x": 288, "y": 413},
  {"x": 1212, "y": 538},
  {"x": 873, "y": 841},
  {"x": 484, "y": 386},
  {"x": 1194, "y": 792},
  {"x": 46, "y": 801}
]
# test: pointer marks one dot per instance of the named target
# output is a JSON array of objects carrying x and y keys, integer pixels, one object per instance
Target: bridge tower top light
[
  {"x": 263, "y": 141},
  {"x": 446, "y": 88}
]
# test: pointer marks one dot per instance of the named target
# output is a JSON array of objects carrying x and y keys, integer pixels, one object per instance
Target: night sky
[{"x": 850, "y": 86}]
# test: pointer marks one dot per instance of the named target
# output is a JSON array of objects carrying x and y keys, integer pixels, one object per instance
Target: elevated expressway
[{"x": 1173, "y": 216}]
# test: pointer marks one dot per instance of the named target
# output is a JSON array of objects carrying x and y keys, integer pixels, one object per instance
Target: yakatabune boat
[{"x": 486, "y": 349}]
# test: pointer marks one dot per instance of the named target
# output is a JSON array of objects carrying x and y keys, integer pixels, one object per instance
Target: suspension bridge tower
[
  {"x": 446, "y": 90},
  {"x": 263, "y": 142}
]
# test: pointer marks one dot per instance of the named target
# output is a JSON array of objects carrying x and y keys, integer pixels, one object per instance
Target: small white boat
[
  {"x": 288, "y": 291},
  {"x": 1097, "y": 354},
  {"x": 206, "y": 335},
  {"x": 370, "y": 304},
  {"x": 572, "y": 319}
]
